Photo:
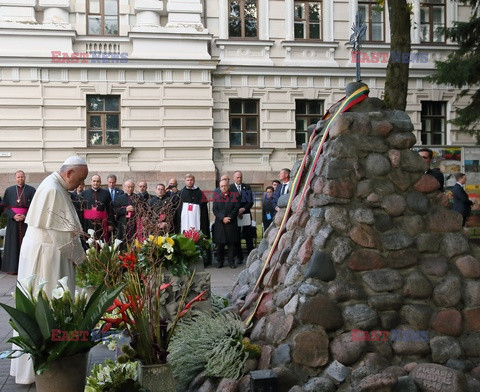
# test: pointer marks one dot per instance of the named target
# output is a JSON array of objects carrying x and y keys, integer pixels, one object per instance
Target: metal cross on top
[{"x": 359, "y": 28}]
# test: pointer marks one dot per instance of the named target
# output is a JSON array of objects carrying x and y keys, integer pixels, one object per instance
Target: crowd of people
[{"x": 127, "y": 214}]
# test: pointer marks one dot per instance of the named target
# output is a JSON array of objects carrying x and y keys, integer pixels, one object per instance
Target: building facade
[{"x": 151, "y": 89}]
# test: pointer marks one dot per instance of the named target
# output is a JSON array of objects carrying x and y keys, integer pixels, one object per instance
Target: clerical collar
[{"x": 193, "y": 187}]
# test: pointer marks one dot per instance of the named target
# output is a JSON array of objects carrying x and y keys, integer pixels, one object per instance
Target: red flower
[
  {"x": 129, "y": 260},
  {"x": 198, "y": 298},
  {"x": 192, "y": 234}
]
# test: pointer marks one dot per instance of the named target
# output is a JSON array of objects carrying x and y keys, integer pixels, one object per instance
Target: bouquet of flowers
[
  {"x": 144, "y": 310},
  {"x": 175, "y": 253},
  {"x": 102, "y": 264},
  {"x": 58, "y": 327}
]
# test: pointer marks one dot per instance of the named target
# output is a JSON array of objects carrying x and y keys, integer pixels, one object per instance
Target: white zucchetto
[{"x": 74, "y": 161}]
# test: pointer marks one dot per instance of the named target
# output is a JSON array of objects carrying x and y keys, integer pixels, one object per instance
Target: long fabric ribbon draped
[{"x": 357, "y": 96}]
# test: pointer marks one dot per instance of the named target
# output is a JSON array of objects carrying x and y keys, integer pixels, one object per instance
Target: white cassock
[
  {"x": 50, "y": 249},
  {"x": 190, "y": 217}
]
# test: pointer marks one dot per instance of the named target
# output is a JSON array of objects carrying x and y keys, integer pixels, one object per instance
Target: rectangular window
[
  {"x": 432, "y": 21},
  {"x": 374, "y": 20},
  {"x": 306, "y": 113},
  {"x": 308, "y": 20},
  {"x": 244, "y": 123},
  {"x": 433, "y": 123},
  {"x": 103, "y": 120},
  {"x": 102, "y": 17},
  {"x": 242, "y": 19}
]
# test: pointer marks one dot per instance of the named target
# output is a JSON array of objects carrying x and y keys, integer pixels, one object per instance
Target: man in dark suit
[
  {"x": 114, "y": 194},
  {"x": 143, "y": 194},
  {"x": 461, "y": 202},
  {"x": 247, "y": 232},
  {"x": 125, "y": 207},
  {"x": 427, "y": 155},
  {"x": 112, "y": 187},
  {"x": 284, "y": 187},
  {"x": 225, "y": 230}
]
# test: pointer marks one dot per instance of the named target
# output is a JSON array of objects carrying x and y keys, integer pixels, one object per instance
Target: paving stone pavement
[{"x": 222, "y": 281}]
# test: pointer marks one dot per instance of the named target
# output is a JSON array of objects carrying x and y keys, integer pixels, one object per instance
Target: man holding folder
[{"x": 244, "y": 218}]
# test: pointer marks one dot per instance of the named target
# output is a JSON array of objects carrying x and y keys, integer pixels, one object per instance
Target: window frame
[
  {"x": 427, "y": 137},
  {"x": 307, "y": 116},
  {"x": 102, "y": 19},
  {"x": 307, "y": 19},
  {"x": 243, "y": 116},
  {"x": 242, "y": 20},
  {"x": 370, "y": 5},
  {"x": 103, "y": 121},
  {"x": 430, "y": 5}
]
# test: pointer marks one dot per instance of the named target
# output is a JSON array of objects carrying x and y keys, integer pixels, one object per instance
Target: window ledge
[
  {"x": 102, "y": 158},
  {"x": 246, "y": 157},
  {"x": 310, "y": 53},
  {"x": 245, "y": 52}
]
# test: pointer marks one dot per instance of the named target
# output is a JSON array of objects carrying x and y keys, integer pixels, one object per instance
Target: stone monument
[{"x": 372, "y": 284}]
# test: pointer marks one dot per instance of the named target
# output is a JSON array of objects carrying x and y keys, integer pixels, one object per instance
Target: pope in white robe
[{"x": 51, "y": 247}]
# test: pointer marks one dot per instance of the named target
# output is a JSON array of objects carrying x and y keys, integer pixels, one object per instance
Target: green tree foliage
[{"x": 461, "y": 69}]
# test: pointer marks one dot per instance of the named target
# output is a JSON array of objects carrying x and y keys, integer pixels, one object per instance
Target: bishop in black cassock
[
  {"x": 98, "y": 211},
  {"x": 16, "y": 200},
  {"x": 126, "y": 216}
]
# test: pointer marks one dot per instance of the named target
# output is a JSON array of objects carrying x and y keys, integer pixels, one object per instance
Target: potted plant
[
  {"x": 56, "y": 332},
  {"x": 150, "y": 307}
]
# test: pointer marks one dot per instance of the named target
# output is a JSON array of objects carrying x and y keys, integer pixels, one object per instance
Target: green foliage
[
  {"x": 114, "y": 377},
  {"x": 210, "y": 342},
  {"x": 460, "y": 69},
  {"x": 218, "y": 303},
  {"x": 43, "y": 325},
  {"x": 102, "y": 264}
]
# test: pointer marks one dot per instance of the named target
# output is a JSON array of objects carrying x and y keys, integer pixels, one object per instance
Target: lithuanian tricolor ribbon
[{"x": 359, "y": 95}]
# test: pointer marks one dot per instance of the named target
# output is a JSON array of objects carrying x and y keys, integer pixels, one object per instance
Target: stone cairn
[{"x": 373, "y": 285}]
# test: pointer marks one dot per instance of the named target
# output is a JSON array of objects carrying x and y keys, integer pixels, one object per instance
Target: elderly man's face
[
  {"x": 75, "y": 176},
  {"x": 238, "y": 177},
  {"x": 224, "y": 186},
  {"x": 129, "y": 187}
]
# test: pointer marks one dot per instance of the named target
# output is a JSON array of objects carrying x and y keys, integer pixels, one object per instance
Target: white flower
[
  {"x": 116, "y": 243},
  {"x": 64, "y": 283},
  {"x": 100, "y": 243},
  {"x": 90, "y": 242},
  {"x": 39, "y": 287},
  {"x": 91, "y": 233},
  {"x": 112, "y": 346},
  {"x": 58, "y": 293},
  {"x": 168, "y": 247},
  {"x": 27, "y": 284}
]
